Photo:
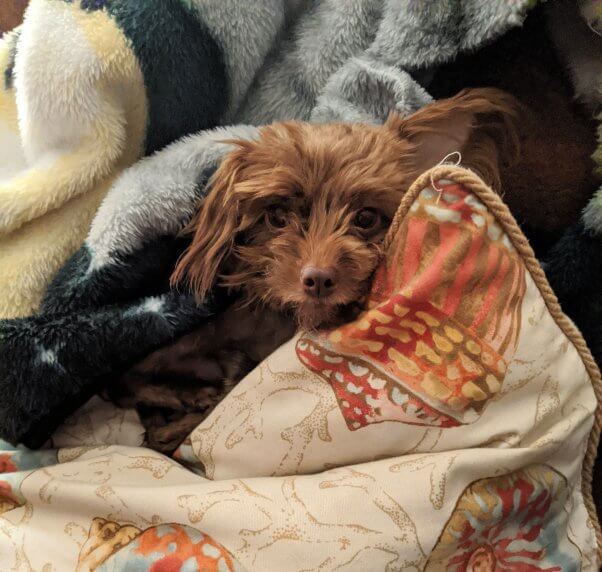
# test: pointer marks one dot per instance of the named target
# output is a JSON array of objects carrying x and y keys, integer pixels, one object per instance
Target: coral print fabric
[
  {"x": 449, "y": 428},
  {"x": 435, "y": 346}
]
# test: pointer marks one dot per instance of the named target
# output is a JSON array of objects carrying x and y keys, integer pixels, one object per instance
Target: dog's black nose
[{"x": 318, "y": 282}]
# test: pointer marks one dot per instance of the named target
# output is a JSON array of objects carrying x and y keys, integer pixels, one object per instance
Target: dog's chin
[{"x": 316, "y": 315}]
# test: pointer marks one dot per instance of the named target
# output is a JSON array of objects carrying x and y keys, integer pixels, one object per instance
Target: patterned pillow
[
  {"x": 450, "y": 427},
  {"x": 463, "y": 373}
]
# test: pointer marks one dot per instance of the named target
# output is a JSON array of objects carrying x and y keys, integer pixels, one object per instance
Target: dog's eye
[
  {"x": 367, "y": 219},
  {"x": 277, "y": 217}
]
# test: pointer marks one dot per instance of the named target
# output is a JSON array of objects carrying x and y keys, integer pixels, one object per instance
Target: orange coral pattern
[
  {"x": 162, "y": 548},
  {"x": 443, "y": 320}
]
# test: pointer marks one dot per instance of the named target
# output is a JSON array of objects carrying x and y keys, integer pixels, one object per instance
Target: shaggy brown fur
[
  {"x": 175, "y": 388},
  {"x": 11, "y": 14},
  {"x": 294, "y": 223}
]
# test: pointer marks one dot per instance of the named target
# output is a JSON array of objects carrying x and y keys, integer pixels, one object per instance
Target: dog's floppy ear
[
  {"x": 475, "y": 121},
  {"x": 213, "y": 227}
]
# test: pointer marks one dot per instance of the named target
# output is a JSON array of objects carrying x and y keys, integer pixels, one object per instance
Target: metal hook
[{"x": 445, "y": 161}]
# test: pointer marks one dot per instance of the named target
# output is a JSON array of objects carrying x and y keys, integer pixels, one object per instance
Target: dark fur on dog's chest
[{"x": 176, "y": 387}]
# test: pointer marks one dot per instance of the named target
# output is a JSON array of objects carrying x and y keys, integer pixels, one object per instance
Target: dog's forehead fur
[{"x": 331, "y": 164}]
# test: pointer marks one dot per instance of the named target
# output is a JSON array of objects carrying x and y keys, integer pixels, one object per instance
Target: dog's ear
[
  {"x": 214, "y": 227},
  {"x": 475, "y": 121}
]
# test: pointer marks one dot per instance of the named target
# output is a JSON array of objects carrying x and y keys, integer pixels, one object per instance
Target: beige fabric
[{"x": 338, "y": 453}]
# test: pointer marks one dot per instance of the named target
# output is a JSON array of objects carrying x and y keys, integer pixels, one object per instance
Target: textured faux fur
[
  {"x": 90, "y": 87},
  {"x": 574, "y": 265},
  {"x": 577, "y": 35},
  {"x": 261, "y": 61},
  {"x": 64, "y": 349},
  {"x": 579, "y": 45}
]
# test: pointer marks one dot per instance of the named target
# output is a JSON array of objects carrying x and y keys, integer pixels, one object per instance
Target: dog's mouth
[{"x": 328, "y": 312}]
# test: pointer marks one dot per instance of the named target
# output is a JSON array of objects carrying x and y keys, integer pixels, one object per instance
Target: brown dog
[{"x": 294, "y": 223}]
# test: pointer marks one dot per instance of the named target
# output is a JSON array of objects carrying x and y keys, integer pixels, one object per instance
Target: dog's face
[
  {"x": 304, "y": 215},
  {"x": 295, "y": 219},
  {"x": 315, "y": 203}
]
